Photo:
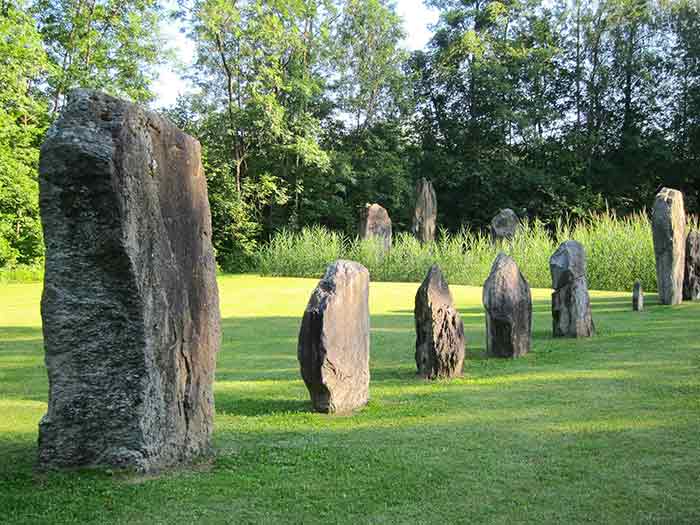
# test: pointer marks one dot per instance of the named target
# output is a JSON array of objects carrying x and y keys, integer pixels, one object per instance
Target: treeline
[{"x": 308, "y": 109}]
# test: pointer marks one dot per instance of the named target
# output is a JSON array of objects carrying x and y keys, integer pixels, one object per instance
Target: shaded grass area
[{"x": 603, "y": 430}]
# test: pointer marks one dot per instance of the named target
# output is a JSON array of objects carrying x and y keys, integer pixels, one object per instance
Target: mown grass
[
  {"x": 620, "y": 251},
  {"x": 603, "y": 430}
]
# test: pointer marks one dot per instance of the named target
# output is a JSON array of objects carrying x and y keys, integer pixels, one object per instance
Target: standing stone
[
  {"x": 333, "y": 349},
  {"x": 668, "y": 228},
  {"x": 130, "y": 307},
  {"x": 508, "y": 306},
  {"x": 637, "y": 297},
  {"x": 504, "y": 225},
  {"x": 375, "y": 223},
  {"x": 425, "y": 214},
  {"x": 571, "y": 304},
  {"x": 691, "y": 282},
  {"x": 439, "y": 329}
]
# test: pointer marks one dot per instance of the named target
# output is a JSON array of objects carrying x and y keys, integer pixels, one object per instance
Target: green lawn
[{"x": 605, "y": 430}]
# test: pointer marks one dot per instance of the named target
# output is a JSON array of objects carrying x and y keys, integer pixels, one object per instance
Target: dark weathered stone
[
  {"x": 504, "y": 225},
  {"x": 130, "y": 306},
  {"x": 333, "y": 346},
  {"x": 439, "y": 329},
  {"x": 376, "y": 224},
  {"x": 425, "y": 213},
  {"x": 508, "y": 304},
  {"x": 668, "y": 228},
  {"x": 691, "y": 281},
  {"x": 571, "y": 304},
  {"x": 637, "y": 297}
]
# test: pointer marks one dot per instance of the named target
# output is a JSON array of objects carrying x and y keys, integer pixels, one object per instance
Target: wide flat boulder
[
  {"x": 439, "y": 329},
  {"x": 508, "y": 304},
  {"x": 333, "y": 348},
  {"x": 130, "y": 307},
  {"x": 668, "y": 229}
]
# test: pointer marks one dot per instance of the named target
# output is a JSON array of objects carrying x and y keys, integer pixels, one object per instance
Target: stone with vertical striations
[
  {"x": 637, "y": 297},
  {"x": 376, "y": 224},
  {"x": 508, "y": 304},
  {"x": 691, "y": 281},
  {"x": 425, "y": 212},
  {"x": 504, "y": 225},
  {"x": 668, "y": 229},
  {"x": 130, "y": 306},
  {"x": 333, "y": 349},
  {"x": 439, "y": 329},
  {"x": 571, "y": 304}
]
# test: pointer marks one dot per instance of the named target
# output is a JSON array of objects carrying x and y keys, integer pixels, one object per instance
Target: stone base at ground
[
  {"x": 439, "y": 329},
  {"x": 130, "y": 306},
  {"x": 637, "y": 297},
  {"x": 333, "y": 348}
]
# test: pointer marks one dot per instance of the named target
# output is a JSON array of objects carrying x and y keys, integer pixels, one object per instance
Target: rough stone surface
[
  {"x": 375, "y": 223},
  {"x": 571, "y": 304},
  {"x": 508, "y": 304},
  {"x": 637, "y": 297},
  {"x": 504, "y": 225},
  {"x": 691, "y": 282},
  {"x": 130, "y": 306},
  {"x": 668, "y": 228},
  {"x": 425, "y": 214},
  {"x": 439, "y": 329},
  {"x": 333, "y": 349}
]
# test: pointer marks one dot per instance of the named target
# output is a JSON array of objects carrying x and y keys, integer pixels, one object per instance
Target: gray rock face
[
  {"x": 333, "y": 349},
  {"x": 571, "y": 304},
  {"x": 375, "y": 223},
  {"x": 504, "y": 225},
  {"x": 130, "y": 306},
  {"x": 425, "y": 214},
  {"x": 637, "y": 297},
  {"x": 668, "y": 228},
  {"x": 691, "y": 281},
  {"x": 508, "y": 304},
  {"x": 439, "y": 329}
]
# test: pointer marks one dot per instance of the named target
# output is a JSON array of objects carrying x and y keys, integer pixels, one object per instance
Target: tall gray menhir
[
  {"x": 668, "y": 229},
  {"x": 425, "y": 213},
  {"x": 130, "y": 306}
]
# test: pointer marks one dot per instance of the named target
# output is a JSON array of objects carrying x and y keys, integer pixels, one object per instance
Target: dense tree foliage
[{"x": 308, "y": 109}]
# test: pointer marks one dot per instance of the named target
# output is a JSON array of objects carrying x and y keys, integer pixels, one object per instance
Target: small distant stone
[
  {"x": 376, "y": 224},
  {"x": 439, "y": 329},
  {"x": 691, "y": 281},
  {"x": 638, "y": 297},
  {"x": 571, "y": 304},
  {"x": 333, "y": 348},
  {"x": 504, "y": 225},
  {"x": 425, "y": 212},
  {"x": 668, "y": 229},
  {"x": 508, "y": 304}
]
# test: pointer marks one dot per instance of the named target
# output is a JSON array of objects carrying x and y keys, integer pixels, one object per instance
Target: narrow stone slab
[
  {"x": 691, "y": 281},
  {"x": 376, "y": 224},
  {"x": 439, "y": 329},
  {"x": 571, "y": 304},
  {"x": 333, "y": 348},
  {"x": 504, "y": 226},
  {"x": 130, "y": 306},
  {"x": 425, "y": 213},
  {"x": 668, "y": 228},
  {"x": 508, "y": 304},
  {"x": 637, "y": 297}
]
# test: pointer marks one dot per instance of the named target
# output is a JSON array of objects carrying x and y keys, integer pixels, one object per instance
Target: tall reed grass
[{"x": 620, "y": 251}]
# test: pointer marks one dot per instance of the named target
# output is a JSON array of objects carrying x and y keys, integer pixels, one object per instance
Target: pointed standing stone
[
  {"x": 571, "y": 304},
  {"x": 668, "y": 228},
  {"x": 691, "y": 282},
  {"x": 375, "y": 223},
  {"x": 333, "y": 348},
  {"x": 504, "y": 225},
  {"x": 508, "y": 304},
  {"x": 439, "y": 329},
  {"x": 130, "y": 307},
  {"x": 425, "y": 214},
  {"x": 637, "y": 297}
]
